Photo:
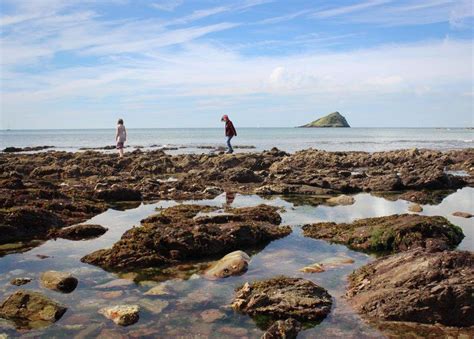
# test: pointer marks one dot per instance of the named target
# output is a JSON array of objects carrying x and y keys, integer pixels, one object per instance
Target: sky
[{"x": 184, "y": 63}]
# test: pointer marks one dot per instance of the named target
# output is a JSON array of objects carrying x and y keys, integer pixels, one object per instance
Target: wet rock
[
  {"x": 415, "y": 208},
  {"x": 282, "y": 298},
  {"x": 111, "y": 294},
  {"x": 327, "y": 264},
  {"x": 389, "y": 234},
  {"x": 154, "y": 306},
  {"x": 341, "y": 200},
  {"x": 80, "y": 232},
  {"x": 416, "y": 286},
  {"x": 27, "y": 223},
  {"x": 119, "y": 194},
  {"x": 234, "y": 263},
  {"x": 58, "y": 281},
  {"x": 212, "y": 315},
  {"x": 243, "y": 175},
  {"x": 20, "y": 281},
  {"x": 425, "y": 197},
  {"x": 462, "y": 215},
  {"x": 283, "y": 329},
  {"x": 177, "y": 236},
  {"x": 158, "y": 290},
  {"x": 117, "y": 283},
  {"x": 25, "y": 149},
  {"x": 26, "y": 307},
  {"x": 123, "y": 315}
]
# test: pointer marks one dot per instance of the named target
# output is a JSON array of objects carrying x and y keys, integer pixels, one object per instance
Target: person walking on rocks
[
  {"x": 120, "y": 136},
  {"x": 230, "y": 132}
]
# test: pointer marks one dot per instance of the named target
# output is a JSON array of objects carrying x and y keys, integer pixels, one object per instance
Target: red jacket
[{"x": 230, "y": 129}]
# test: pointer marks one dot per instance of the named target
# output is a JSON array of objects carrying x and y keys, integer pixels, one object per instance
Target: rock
[
  {"x": 177, "y": 236},
  {"x": 282, "y": 298},
  {"x": 111, "y": 294},
  {"x": 389, "y": 234},
  {"x": 80, "y": 232},
  {"x": 161, "y": 289},
  {"x": 116, "y": 283},
  {"x": 233, "y": 332},
  {"x": 462, "y": 215},
  {"x": 416, "y": 286},
  {"x": 119, "y": 194},
  {"x": 20, "y": 281},
  {"x": 234, "y": 263},
  {"x": 327, "y": 264},
  {"x": 415, "y": 208},
  {"x": 341, "y": 200},
  {"x": 26, "y": 307},
  {"x": 210, "y": 316},
  {"x": 58, "y": 281},
  {"x": 334, "y": 119},
  {"x": 213, "y": 190},
  {"x": 286, "y": 329},
  {"x": 154, "y": 306},
  {"x": 123, "y": 315},
  {"x": 244, "y": 175}
]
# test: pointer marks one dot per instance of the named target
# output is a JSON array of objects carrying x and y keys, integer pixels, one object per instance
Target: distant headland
[{"x": 334, "y": 119}]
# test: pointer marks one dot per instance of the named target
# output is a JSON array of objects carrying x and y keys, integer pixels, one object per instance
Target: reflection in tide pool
[{"x": 184, "y": 306}]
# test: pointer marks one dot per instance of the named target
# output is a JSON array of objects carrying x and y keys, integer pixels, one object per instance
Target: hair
[{"x": 120, "y": 121}]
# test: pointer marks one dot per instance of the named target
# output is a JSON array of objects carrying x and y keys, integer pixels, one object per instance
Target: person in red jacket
[{"x": 230, "y": 132}]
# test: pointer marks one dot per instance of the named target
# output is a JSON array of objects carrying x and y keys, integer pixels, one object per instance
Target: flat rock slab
[
  {"x": 80, "y": 232},
  {"x": 29, "y": 309},
  {"x": 58, "y": 281},
  {"x": 389, "y": 234},
  {"x": 178, "y": 234},
  {"x": 282, "y": 298},
  {"x": 416, "y": 286}
]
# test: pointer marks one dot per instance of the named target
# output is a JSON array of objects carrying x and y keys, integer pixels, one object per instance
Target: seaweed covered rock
[
  {"x": 178, "y": 234},
  {"x": 286, "y": 329},
  {"x": 31, "y": 309},
  {"x": 79, "y": 232},
  {"x": 281, "y": 298},
  {"x": 390, "y": 234},
  {"x": 416, "y": 286},
  {"x": 58, "y": 281}
]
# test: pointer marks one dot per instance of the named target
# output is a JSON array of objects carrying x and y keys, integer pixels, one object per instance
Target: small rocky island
[{"x": 334, "y": 119}]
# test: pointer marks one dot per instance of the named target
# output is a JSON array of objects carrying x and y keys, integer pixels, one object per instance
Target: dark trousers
[{"x": 229, "y": 146}]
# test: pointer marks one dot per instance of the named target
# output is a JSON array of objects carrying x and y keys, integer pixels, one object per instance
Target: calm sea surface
[{"x": 288, "y": 139}]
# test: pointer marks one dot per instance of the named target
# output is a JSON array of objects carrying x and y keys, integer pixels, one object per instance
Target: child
[
  {"x": 230, "y": 132},
  {"x": 121, "y": 136}
]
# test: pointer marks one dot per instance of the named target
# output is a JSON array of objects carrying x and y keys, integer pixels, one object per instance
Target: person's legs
[
  {"x": 120, "y": 149},
  {"x": 229, "y": 146}
]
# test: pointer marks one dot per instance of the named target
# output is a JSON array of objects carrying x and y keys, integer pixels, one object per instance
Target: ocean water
[{"x": 189, "y": 140}]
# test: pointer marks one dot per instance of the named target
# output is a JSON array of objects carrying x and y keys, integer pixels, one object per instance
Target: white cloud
[
  {"x": 337, "y": 11},
  {"x": 167, "y": 5}
]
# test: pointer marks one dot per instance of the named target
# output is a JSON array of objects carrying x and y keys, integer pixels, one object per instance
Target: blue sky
[{"x": 183, "y": 63}]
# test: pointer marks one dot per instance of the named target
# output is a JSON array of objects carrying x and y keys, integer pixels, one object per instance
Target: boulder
[
  {"x": 58, "y": 281},
  {"x": 118, "y": 194},
  {"x": 123, "y": 315},
  {"x": 283, "y": 329},
  {"x": 244, "y": 176},
  {"x": 20, "y": 281},
  {"x": 234, "y": 263},
  {"x": 79, "y": 232},
  {"x": 415, "y": 208},
  {"x": 462, "y": 215},
  {"x": 177, "y": 235},
  {"x": 341, "y": 200},
  {"x": 327, "y": 264},
  {"x": 416, "y": 286},
  {"x": 390, "y": 234},
  {"x": 282, "y": 298},
  {"x": 26, "y": 308}
]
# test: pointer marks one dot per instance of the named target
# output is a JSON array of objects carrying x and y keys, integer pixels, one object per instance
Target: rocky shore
[
  {"x": 419, "y": 275},
  {"x": 50, "y": 190}
]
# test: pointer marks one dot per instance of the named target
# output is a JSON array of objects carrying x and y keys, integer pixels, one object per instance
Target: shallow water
[{"x": 179, "y": 314}]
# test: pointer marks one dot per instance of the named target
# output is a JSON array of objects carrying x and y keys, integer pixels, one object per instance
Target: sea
[{"x": 199, "y": 140}]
